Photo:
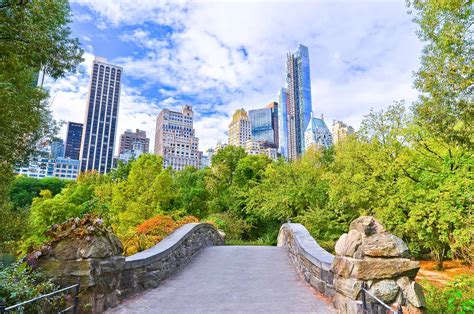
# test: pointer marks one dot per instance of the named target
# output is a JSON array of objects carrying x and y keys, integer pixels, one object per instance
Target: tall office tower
[
  {"x": 299, "y": 94},
  {"x": 103, "y": 100},
  {"x": 129, "y": 138},
  {"x": 57, "y": 148},
  {"x": 175, "y": 139},
  {"x": 240, "y": 130},
  {"x": 73, "y": 140},
  {"x": 261, "y": 124},
  {"x": 340, "y": 131},
  {"x": 274, "y": 107},
  {"x": 317, "y": 133},
  {"x": 283, "y": 123}
]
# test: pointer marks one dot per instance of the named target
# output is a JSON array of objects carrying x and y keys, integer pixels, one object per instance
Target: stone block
[
  {"x": 414, "y": 294},
  {"x": 348, "y": 243},
  {"x": 384, "y": 245},
  {"x": 367, "y": 226},
  {"x": 349, "y": 287},
  {"x": 374, "y": 268},
  {"x": 386, "y": 290}
]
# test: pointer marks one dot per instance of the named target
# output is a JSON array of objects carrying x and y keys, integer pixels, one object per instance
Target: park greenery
[{"x": 409, "y": 165}]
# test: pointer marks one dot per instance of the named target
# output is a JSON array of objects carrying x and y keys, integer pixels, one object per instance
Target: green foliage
[
  {"x": 455, "y": 297},
  {"x": 148, "y": 191},
  {"x": 446, "y": 77},
  {"x": 24, "y": 189},
  {"x": 191, "y": 193},
  {"x": 34, "y": 36},
  {"x": 233, "y": 226},
  {"x": 19, "y": 283}
]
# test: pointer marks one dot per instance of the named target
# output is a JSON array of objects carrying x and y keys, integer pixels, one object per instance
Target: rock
[
  {"x": 415, "y": 295},
  {"x": 384, "y": 245},
  {"x": 367, "y": 226},
  {"x": 66, "y": 249},
  {"x": 349, "y": 287},
  {"x": 385, "y": 290},
  {"x": 99, "y": 247},
  {"x": 342, "y": 266},
  {"x": 403, "y": 282},
  {"x": 374, "y": 268},
  {"x": 348, "y": 243}
]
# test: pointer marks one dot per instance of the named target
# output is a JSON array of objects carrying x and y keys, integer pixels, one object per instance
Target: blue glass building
[
  {"x": 283, "y": 123},
  {"x": 299, "y": 99},
  {"x": 73, "y": 140},
  {"x": 261, "y": 122}
]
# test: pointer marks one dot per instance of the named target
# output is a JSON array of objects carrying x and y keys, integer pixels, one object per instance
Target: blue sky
[{"x": 222, "y": 55}]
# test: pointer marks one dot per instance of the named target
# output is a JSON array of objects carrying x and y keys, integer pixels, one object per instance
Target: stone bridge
[{"x": 191, "y": 271}]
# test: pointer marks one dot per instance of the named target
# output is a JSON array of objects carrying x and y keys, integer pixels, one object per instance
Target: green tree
[
  {"x": 148, "y": 191},
  {"x": 221, "y": 176},
  {"x": 34, "y": 36},
  {"x": 446, "y": 76},
  {"x": 24, "y": 189},
  {"x": 191, "y": 193}
]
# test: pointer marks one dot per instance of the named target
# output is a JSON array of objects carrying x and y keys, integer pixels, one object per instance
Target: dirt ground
[{"x": 451, "y": 269}]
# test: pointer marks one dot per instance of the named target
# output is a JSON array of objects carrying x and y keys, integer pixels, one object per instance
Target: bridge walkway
[{"x": 232, "y": 279}]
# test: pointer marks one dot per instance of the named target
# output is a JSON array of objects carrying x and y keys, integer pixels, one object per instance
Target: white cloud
[{"x": 227, "y": 55}]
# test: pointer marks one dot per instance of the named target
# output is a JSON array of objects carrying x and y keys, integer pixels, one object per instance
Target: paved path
[{"x": 232, "y": 279}]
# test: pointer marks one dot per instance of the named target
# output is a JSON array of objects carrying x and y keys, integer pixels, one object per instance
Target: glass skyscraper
[
  {"x": 299, "y": 99},
  {"x": 261, "y": 122},
  {"x": 101, "y": 117},
  {"x": 73, "y": 140},
  {"x": 283, "y": 123}
]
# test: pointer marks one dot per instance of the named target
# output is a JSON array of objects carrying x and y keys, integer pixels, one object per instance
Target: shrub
[
  {"x": 152, "y": 231},
  {"x": 18, "y": 282},
  {"x": 455, "y": 297},
  {"x": 233, "y": 226}
]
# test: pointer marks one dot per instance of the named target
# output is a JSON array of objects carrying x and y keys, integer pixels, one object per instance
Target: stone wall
[
  {"x": 105, "y": 275},
  {"x": 145, "y": 270},
  {"x": 367, "y": 254},
  {"x": 311, "y": 260}
]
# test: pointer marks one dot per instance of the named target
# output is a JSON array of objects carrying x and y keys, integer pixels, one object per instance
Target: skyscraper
[
  {"x": 101, "y": 117},
  {"x": 261, "y": 123},
  {"x": 129, "y": 138},
  {"x": 299, "y": 95},
  {"x": 240, "y": 129},
  {"x": 175, "y": 139},
  {"x": 274, "y": 107},
  {"x": 317, "y": 133},
  {"x": 73, "y": 140},
  {"x": 283, "y": 123}
]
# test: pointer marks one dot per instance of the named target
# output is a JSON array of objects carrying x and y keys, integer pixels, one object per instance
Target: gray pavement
[{"x": 232, "y": 279}]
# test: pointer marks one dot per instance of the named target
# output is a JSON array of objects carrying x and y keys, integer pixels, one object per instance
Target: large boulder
[
  {"x": 371, "y": 255},
  {"x": 85, "y": 250}
]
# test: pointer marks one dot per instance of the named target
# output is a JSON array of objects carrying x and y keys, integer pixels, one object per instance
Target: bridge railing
[
  {"x": 20, "y": 307},
  {"x": 379, "y": 306}
]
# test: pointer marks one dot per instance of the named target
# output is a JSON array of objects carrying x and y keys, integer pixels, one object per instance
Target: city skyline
[{"x": 346, "y": 80}]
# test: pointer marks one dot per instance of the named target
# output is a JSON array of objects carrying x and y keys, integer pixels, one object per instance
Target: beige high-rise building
[
  {"x": 240, "y": 130},
  {"x": 175, "y": 139},
  {"x": 340, "y": 131},
  {"x": 128, "y": 139}
]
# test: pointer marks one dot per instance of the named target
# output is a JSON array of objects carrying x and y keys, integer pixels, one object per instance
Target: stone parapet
[
  {"x": 365, "y": 256},
  {"x": 107, "y": 277},
  {"x": 311, "y": 260},
  {"x": 146, "y": 269}
]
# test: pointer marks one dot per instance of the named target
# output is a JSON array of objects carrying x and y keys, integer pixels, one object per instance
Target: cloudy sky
[{"x": 222, "y": 55}]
